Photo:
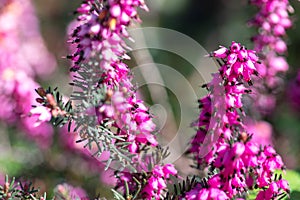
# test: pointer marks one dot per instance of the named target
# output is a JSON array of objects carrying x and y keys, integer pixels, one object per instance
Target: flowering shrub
[
  {"x": 272, "y": 20},
  {"x": 241, "y": 163},
  {"x": 19, "y": 68},
  {"x": 108, "y": 123}
]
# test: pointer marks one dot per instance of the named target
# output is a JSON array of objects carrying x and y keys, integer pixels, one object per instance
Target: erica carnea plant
[
  {"x": 19, "y": 68},
  {"x": 272, "y": 21},
  {"x": 235, "y": 165},
  {"x": 109, "y": 119},
  {"x": 18, "y": 190},
  {"x": 106, "y": 111},
  {"x": 11, "y": 189}
]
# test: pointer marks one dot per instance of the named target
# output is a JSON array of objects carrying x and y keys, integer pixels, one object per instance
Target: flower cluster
[
  {"x": 273, "y": 189},
  {"x": 99, "y": 35},
  {"x": 101, "y": 29},
  {"x": 223, "y": 146},
  {"x": 137, "y": 121},
  {"x": 272, "y": 20},
  {"x": 153, "y": 184},
  {"x": 238, "y": 64},
  {"x": 156, "y": 183},
  {"x": 241, "y": 164},
  {"x": 19, "y": 65}
]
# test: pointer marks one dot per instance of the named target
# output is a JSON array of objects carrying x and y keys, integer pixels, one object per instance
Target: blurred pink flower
[
  {"x": 66, "y": 191},
  {"x": 261, "y": 130},
  {"x": 272, "y": 20},
  {"x": 23, "y": 56},
  {"x": 21, "y": 45}
]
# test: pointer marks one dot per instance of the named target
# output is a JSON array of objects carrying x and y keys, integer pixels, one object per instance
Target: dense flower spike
[
  {"x": 272, "y": 21},
  {"x": 240, "y": 163},
  {"x": 238, "y": 64},
  {"x": 99, "y": 35},
  {"x": 138, "y": 124},
  {"x": 105, "y": 115},
  {"x": 19, "y": 65},
  {"x": 101, "y": 29}
]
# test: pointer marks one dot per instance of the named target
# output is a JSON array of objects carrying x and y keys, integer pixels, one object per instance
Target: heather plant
[
  {"x": 272, "y": 22},
  {"x": 19, "y": 68},
  {"x": 106, "y": 121}
]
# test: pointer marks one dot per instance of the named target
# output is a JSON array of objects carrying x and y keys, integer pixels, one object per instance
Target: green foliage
[
  {"x": 293, "y": 177},
  {"x": 18, "y": 191},
  {"x": 184, "y": 186},
  {"x": 80, "y": 113}
]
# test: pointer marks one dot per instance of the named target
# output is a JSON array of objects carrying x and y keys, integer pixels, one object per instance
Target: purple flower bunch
[
  {"x": 19, "y": 44},
  {"x": 101, "y": 29},
  {"x": 272, "y": 21},
  {"x": 99, "y": 35},
  {"x": 238, "y": 164},
  {"x": 222, "y": 147}
]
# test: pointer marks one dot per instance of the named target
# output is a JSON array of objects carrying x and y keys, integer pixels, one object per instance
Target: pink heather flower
[
  {"x": 157, "y": 182},
  {"x": 283, "y": 184},
  {"x": 99, "y": 35},
  {"x": 274, "y": 189},
  {"x": 92, "y": 37},
  {"x": 129, "y": 114},
  {"x": 238, "y": 67},
  {"x": 169, "y": 169},
  {"x": 222, "y": 52},
  {"x": 277, "y": 64},
  {"x": 239, "y": 62},
  {"x": 19, "y": 65},
  {"x": 19, "y": 46},
  {"x": 42, "y": 113},
  {"x": 17, "y": 89},
  {"x": 272, "y": 21},
  {"x": 240, "y": 163},
  {"x": 238, "y": 149},
  {"x": 204, "y": 194}
]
